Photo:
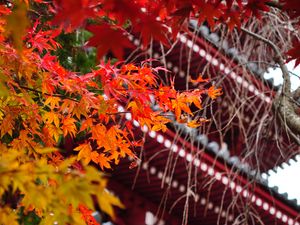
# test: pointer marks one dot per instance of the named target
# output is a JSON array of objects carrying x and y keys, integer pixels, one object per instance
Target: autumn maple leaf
[
  {"x": 72, "y": 13},
  {"x": 294, "y": 53},
  {"x": 103, "y": 161},
  {"x": 199, "y": 80},
  {"x": 17, "y": 19},
  {"x": 121, "y": 10},
  {"x": 42, "y": 39},
  {"x": 180, "y": 104},
  {"x": 197, "y": 122},
  {"x": 87, "y": 215},
  {"x": 209, "y": 11},
  {"x": 53, "y": 102},
  {"x": 232, "y": 18},
  {"x": 255, "y": 7},
  {"x": 213, "y": 92},
  {"x": 106, "y": 38},
  {"x": 69, "y": 126},
  {"x": 50, "y": 117},
  {"x": 54, "y": 132},
  {"x": 85, "y": 151},
  {"x": 150, "y": 28}
]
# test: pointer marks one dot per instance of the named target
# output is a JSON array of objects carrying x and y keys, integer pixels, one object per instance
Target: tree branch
[
  {"x": 55, "y": 95},
  {"x": 278, "y": 59},
  {"x": 296, "y": 94},
  {"x": 283, "y": 103}
]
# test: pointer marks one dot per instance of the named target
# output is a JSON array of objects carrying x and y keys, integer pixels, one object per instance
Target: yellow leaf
[
  {"x": 135, "y": 109},
  {"x": 52, "y": 101},
  {"x": 106, "y": 202},
  {"x": 17, "y": 23},
  {"x": 3, "y": 90},
  {"x": 158, "y": 127},
  {"x": 193, "y": 124},
  {"x": 197, "y": 122},
  {"x": 66, "y": 163},
  {"x": 85, "y": 151},
  {"x": 50, "y": 117},
  {"x": 8, "y": 216},
  {"x": 54, "y": 132},
  {"x": 45, "y": 150}
]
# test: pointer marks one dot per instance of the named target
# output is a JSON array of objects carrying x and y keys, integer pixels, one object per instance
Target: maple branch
[
  {"x": 283, "y": 103},
  {"x": 278, "y": 59},
  {"x": 55, "y": 95}
]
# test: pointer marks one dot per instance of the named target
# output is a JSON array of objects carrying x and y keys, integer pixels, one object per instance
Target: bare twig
[{"x": 283, "y": 103}]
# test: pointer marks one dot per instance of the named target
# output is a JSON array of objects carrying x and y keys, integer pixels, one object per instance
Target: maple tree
[{"x": 47, "y": 100}]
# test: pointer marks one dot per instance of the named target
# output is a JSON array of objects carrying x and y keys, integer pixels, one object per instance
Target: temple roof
[
  {"x": 221, "y": 187},
  {"x": 189, "y": 172}
]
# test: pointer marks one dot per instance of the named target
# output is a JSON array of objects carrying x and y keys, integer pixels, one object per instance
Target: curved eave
[{"x": 154, "y": 182}]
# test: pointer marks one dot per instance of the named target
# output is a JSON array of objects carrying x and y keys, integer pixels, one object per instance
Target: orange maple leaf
[
  {"x": 213, "y": 92},
  {"x": 85, "y": 151},
  {"x": 69, "y": 126},
  {"x": 94, "y": 156},
  {"x": 197, "y": 122},
  {"x": 180, "y": 104},
  {"x": 50, "y": 117},
  {"x": 125, "y": 149},
  {"x": 103, "y": 161},
  {"x": 54, "y": 131},
  {"x": 52, "y": 101},
  {"x": 199, "y": 80},
  {"x": 86, "y": 124},
  {"x": 7, "y": 125}
]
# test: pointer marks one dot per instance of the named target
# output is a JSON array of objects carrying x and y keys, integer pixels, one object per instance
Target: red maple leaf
[
  {"x": 149, "y": 28},
  {"x": 255, "y": 7},
  {"x": 209, "y": 11},
  {"x": 121, "y": 10},
  {"x": 294, "y": 53},
  {"x": 232, "y": 17},
  {"x": 105, "y": 38},
  {"x": 42, "y": 39},
  {"x": 229, "y": 3},
  {"x": 72, "y": 13}
]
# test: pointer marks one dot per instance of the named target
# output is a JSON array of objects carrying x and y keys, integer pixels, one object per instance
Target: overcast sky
[{"x": 277, "y": 76}]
